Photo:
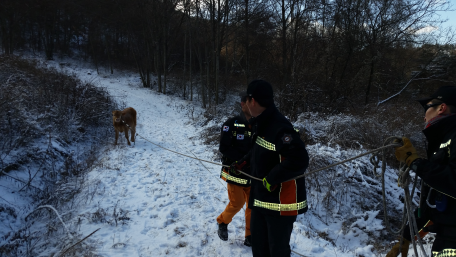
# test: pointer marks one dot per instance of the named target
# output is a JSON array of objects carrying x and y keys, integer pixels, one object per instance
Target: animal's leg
[
  {"x": 126, "y": 136},
  {"x": 133, "y": 134},
  {"x": 117, "y": 136}
]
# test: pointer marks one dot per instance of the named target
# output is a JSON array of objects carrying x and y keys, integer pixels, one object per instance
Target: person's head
[
  {"x": 259, "y": 96},
  {"x": 261, "y": 91},
  {"x": 244, "y": 108},
  {"x": 443, "y": 101}
]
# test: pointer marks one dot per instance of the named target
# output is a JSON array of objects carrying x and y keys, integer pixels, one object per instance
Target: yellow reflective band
[
  {"x": 295, "y": 129},
  {"x": 250, "y": 133},
  {"x": 445, "y": 253},
  {"x": 445, "y": 144},
  {"x": 440, "y": 192},
  {"x": 261, "y": 142},
  {"x": 239, "y": 125},
  {"x": 234, "y": 133},
  {"x": 280, "y": 207},
  {"x": 423, "y": 227},
  {"x": 237, "y": 180}
]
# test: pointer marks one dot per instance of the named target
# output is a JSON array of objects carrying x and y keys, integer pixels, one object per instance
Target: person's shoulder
[
  {"x": 231, "y": 120},
  {"x": 282, "y": 122}
]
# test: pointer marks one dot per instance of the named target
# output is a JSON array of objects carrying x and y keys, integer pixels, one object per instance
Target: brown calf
[{"x": 120, "y": 119}]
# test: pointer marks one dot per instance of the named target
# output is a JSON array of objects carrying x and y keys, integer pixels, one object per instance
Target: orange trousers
[{"x": 238, "y": 196}]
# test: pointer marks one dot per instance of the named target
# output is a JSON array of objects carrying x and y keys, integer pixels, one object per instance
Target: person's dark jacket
[
  {"x": 235, "y": 141},
  {"x": 438, "y": 173},
  {"x": 278, "y": 154}
]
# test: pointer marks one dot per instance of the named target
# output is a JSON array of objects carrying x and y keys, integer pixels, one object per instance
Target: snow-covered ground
[{"x": 147, "y": 201}]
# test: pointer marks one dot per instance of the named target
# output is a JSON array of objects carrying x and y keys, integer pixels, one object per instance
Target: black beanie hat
[{"x": 260, "y": 89}]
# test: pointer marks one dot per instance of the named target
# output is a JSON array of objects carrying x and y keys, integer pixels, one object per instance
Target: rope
[
  {"x": 404, "y": 181},
  {"x": 259, "y": 179}
]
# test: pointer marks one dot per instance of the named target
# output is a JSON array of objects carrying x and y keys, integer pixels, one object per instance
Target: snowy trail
[
  {"x": 152, "y": 202},
  {"x": 172, "y": 201}
]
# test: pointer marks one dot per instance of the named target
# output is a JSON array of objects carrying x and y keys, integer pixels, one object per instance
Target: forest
[
  {"x": 320, "y": 55},
  {"x": 346, "y": 73}
]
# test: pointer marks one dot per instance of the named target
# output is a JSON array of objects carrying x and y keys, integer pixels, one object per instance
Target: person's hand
[
  {"x": 406, "y": 153},
  {"x": 398, "y": 249},
  {"x": 268, "y": 186},
  {"x": 235, "y": 166}
]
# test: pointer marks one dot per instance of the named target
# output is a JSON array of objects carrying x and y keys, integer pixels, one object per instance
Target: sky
[{"x": 450, "y": 15}]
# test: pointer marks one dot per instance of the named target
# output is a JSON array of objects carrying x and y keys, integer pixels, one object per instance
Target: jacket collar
[
  {"x": 436, "y": 133},
  {"x": 264, "y": 116}
]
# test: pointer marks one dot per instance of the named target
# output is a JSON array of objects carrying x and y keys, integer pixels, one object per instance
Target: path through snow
[{"x": 151, "y": 202}]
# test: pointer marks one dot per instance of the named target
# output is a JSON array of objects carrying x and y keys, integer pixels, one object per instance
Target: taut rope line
[
  {"x": 259, "y": 179},
  {"x": 404, "y": 180}
]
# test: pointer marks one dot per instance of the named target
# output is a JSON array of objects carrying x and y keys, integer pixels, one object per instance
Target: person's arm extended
[{"x": 295, "y": 159}]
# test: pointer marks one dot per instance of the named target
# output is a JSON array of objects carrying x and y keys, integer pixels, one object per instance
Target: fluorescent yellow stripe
[
  {"x": 239, "y": 125},
  {"x": 261, "y": 142},
  {"x": 445, "y": 144},
  {"x": 445, "y": 253},
  {"x": 280, "y": 207},
  {"x": 232, "y": 178},
  {"x": 423, "y": 226},
  {"x": 440, "y": 192}
]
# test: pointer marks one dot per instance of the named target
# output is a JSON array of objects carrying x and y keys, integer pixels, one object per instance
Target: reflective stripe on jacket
[
  {"x": 278, "y": 154},
  {"x": 438, "y": 172},
  {"x": 235, "y": 141}
]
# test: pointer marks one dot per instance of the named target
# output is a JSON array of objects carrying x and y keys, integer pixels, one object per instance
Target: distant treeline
[{"x": 331, "y": 53}]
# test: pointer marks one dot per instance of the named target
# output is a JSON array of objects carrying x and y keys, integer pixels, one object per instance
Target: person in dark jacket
[
  {"x": 438, "y": 173},
  {"x": 277, "y": 156},
  {"x": 234, "y": 144}
]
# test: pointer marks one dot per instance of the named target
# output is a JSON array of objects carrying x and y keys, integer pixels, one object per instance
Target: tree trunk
[
  {"x": 157, "y": 66},
  {"x": 247, "y": 40},
  {"x": 190, "y": 66},
  {"x": 184, "y": 82},
  {"x": 164, "y": 60}
]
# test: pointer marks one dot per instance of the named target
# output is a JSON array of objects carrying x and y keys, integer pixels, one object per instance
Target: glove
[
  {"x": 235, "y": 166},
  {"x": 406, "y": 153},
  {"x": 268, "y": 186},
  {"x": 396, "y": 248}
]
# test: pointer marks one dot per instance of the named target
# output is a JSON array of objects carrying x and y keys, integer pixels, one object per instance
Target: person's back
[
  {"x": 234, "y": 144},
  {"x": 277, "y": 156}
]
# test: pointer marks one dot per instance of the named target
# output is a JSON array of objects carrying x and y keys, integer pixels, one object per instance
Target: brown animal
[{"x": 120, "y": 119}]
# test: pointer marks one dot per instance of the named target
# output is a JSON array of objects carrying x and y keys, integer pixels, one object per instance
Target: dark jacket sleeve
[
  {"x": 442, "y": 177},
  {"x": 246, "y": 158},
  {"x": 295, "y": 159},
  {"x": 226, "y": 141}
]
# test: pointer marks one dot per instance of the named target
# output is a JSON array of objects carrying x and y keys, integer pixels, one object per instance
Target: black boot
[
  {"x": 248, "y": 241},
  {"x": 223, "y": 231}
]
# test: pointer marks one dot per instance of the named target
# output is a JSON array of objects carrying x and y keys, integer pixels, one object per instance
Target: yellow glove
[
  {"x": 268, "y": 186},
  {"x": 396, "y": 249},
  {"x": 406, "y": 153}
]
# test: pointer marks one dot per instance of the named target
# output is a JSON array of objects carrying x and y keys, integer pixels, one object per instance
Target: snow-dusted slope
[{"x": 151, "y": 202}]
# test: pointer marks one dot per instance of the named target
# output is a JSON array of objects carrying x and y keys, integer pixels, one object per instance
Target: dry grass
[{"x": 43, "y": 108}]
